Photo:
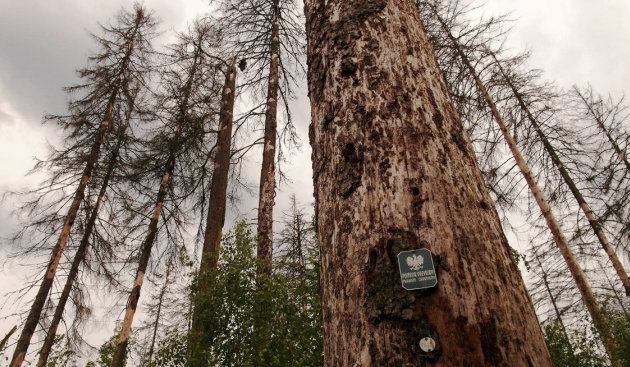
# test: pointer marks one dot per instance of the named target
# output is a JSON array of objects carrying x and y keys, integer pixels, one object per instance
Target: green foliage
[
  {"x": 61, "y": 354},
  {"x": 105, "y": 354},
  {"x": 171, "y": 351},
  {"x": 579, "y": 349},
  {"x": 620, "y": 327},
  {"x": 273, "y": 322}
]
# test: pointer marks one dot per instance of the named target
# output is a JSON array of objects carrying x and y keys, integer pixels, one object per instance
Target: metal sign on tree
[{"x": 416, "y": 269}]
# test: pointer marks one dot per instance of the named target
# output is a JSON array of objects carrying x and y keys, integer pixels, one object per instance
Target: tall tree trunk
[
  {"x": 579, "y": 277},
  {"x": 40, "y": 299},
  {"x": 145, "y": 254},
  {"x": 267, "y": 172},
  {"x": 218, "y": 191},
  {"x": 394, "y": 170},
  {"x": 216, "y": 206},
  {"x": 147, "y": 246},
  {"x": 588, "y": 213},
  {"x": 81, "y": 250}
]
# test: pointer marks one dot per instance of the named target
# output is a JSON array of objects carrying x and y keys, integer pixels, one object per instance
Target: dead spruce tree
[
  {"x": 394, "y": 170},
  {"x": 125, "y": 46},
  {"x": 526, "y": 94},
  {"x": 268, "y": 36},
  {"x": 609, "y": 176},
  {"x": 81, "y": 251},
  {"x": 186, "y": 110},
  {"x": 215, "y": 215},
  {"x": 468, "y": 57}
]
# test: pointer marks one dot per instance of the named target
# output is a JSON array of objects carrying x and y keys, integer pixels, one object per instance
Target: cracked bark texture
[{"x": 393, "y": 171}]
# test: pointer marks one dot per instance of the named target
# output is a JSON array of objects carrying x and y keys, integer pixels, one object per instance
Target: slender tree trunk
[
  {"x": 158, "y": 315},
  {"x": 267, "y": 172},
  {"x": 216, "y": 205},
  {"x": 81, "y": 251},
  {"x": 394, "y": 170},
  {"x": 552, "y": 298},
  {"x": 145, "y": 254},
  {"x": 590, "y": 216},
  {"x": 40, "y": 299},
  {"x": 6, "y": 338},
  {"x": 42, "y": 294},
  {"x": 579, "y": 277},
  {"x": 218, "y": 191},
  {"x": 147, "y": 246}
]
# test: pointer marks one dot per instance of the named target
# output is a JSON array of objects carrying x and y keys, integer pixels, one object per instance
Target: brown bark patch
[
  {"x": 348, "y": 67},
  {"x": 489, "y": 343},
  {"x": 135, "y": 296},
  {"x": 349, "y": 170}
]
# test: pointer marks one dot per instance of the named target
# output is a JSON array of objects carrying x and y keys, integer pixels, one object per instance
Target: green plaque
[{"x": 416, "y": 269}]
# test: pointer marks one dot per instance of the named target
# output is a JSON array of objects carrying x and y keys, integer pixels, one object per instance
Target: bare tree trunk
[
  {"x": 267, "y": 173},
  {"x": 579, "y": 278},
  {"x": 6, "y": 338},
  {"x": 147, "y": 246},
  {"x": 42, "y": 294},
  {"x": 218, "y": 191},
  {"x": 590, "y": 216},
  {"x": 394, "y": 170},
  {"x": 216, "y": 204},
  {"x": 81, "y": 251},
  {"x": 123, "y": 339},
  {"x": 552, "y": 298}
]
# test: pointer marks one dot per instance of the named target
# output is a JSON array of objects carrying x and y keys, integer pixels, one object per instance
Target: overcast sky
[{"x": 42, "y": 42}]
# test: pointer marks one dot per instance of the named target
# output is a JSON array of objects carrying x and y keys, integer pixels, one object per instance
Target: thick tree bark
[
  {"x": 42, "y": 294},
  {"x": 588, "y": 213},
  {"x": 218, "y": 191},
  {"x": 81, "y": 252},
  {"x": 267, "y": 172},
  {"x": 394, "y": 170},
  {"x": 577, "y": 273}
]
